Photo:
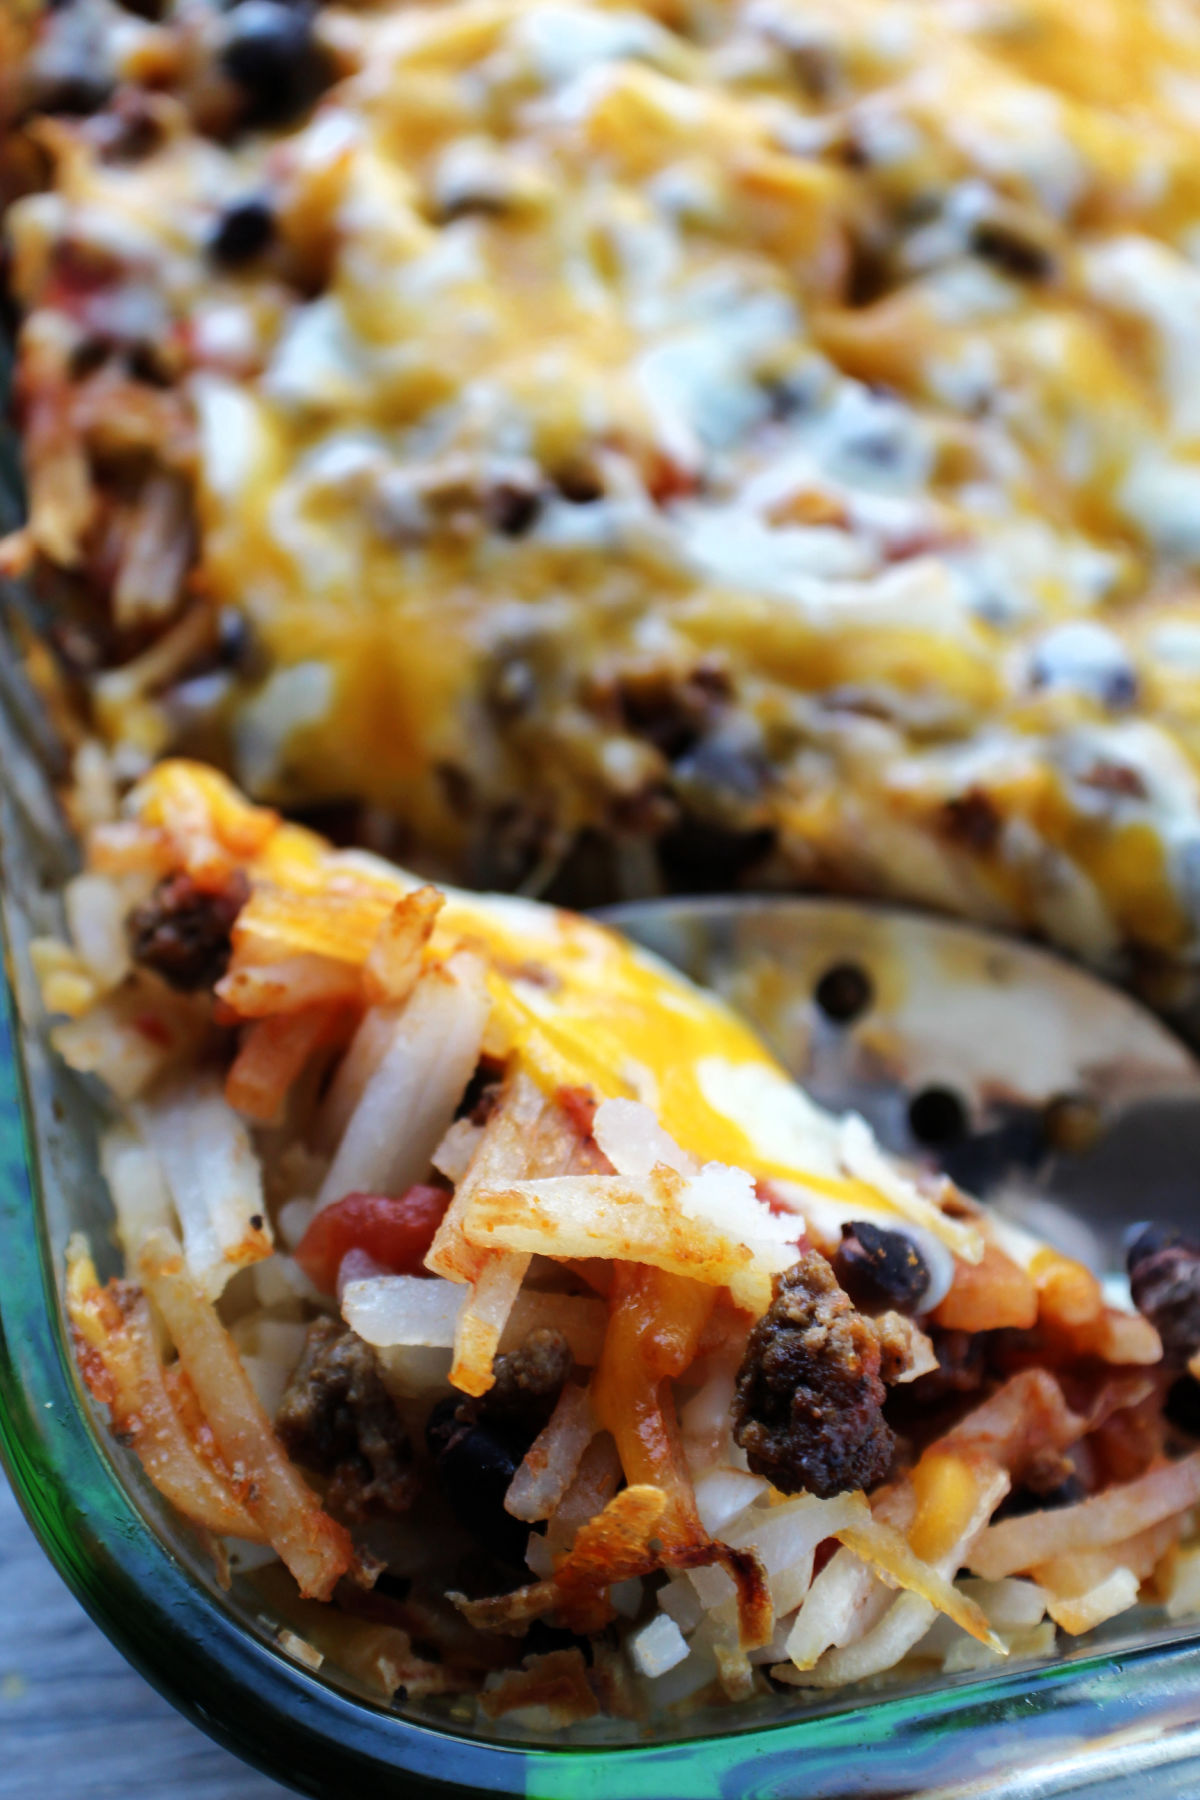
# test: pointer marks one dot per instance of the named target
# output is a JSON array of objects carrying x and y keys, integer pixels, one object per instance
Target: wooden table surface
[{"x": 76, "y": 1722}]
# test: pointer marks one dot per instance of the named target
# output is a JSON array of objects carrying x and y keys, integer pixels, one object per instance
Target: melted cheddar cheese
[
  {"x": 763, "y": 431},
  {"x": 578, "y": 1004}
]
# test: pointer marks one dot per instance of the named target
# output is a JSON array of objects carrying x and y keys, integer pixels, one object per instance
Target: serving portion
[
  {"x": 494, "y": 1299},
  {"x": 613, "y": 447}
]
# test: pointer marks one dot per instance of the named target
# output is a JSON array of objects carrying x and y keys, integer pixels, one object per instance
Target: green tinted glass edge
[
  {"x": 235, "y": 1688},
  {"x": 1072, "y": 1717}
]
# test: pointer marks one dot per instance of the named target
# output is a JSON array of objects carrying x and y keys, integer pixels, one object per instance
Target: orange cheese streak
[
  {"x": 1067, "y": 1293},
  {"x": 988, "y": 1296},
  {"x": 656, "y": 1322},
  {"x": 947, "y": 1485},
  {"x": 272, "y": 1054}
]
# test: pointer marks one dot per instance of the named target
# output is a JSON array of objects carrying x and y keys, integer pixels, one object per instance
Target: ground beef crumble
[
  {"x": 183, "y": 932},
  {"x": 528, "y": 1382},
  {"x": 526, "y": 1387},
  {"x": 338, "y": 1419},
  {"x": 808, "y": 1408},
  {"x": 962, "y": 1369}
]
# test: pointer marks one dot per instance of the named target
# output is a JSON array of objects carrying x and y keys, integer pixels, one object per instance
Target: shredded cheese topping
[{"x": 846, "y": 355}]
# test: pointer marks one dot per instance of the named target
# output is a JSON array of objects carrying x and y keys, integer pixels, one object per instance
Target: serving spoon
[{"x": 1040, "y": 1088}]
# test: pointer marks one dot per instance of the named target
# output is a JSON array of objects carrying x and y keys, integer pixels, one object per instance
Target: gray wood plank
[{"x": 75, "y": 1719}]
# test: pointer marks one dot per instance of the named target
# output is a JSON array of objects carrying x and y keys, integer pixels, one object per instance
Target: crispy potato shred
[
  {"x": 378, "y": 1654},
  {"x": 206, "y": 1443},
  {"x": 376, "y": 1035},
  {"x": 274, "y": 1052},
  {"x": 621, "y": 1543},
  {"x": 1118, "y": 1513},
  {"x": 317, "y": 1550},
  {"x": 556, "y": 1681},
  {"x": 119, "y": 1360},
  {"x": 889, "y": 1552}
]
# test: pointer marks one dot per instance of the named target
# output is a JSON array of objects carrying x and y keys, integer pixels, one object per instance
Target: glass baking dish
[{"x": 1120, "y": 1707}]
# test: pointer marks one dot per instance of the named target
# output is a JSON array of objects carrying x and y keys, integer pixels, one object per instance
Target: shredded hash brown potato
[{"x": 452, "y": 1256}]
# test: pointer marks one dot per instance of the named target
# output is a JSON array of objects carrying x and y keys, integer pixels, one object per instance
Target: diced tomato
[
  {"x": 579, "y": 1104},
  {"x": 395, "y": 1230}
]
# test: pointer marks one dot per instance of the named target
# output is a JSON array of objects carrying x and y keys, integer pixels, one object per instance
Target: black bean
[
  {"x": 937, "y": 1116},
  {"x": 1182, "y": 1405},
  {"x": 701, "y": 856},
  {"x": 579, "y": 486},
  {"x": 1027, "y": 1500},
  {"x": 1144, "y": 1241},
  {"x": 1164, "y": 1279},
  {"x": 844, "y": 992},
  {"x": 271, "y": 54},
  {"x": 880, "y": 1270},
  {"x": 475, "y": 1467},
  {"x": 1011, "y": 252},
  {"x": 880, "y": 449},
  {"x": 719, "y": 773},
  {"x": 237, "y": 646},
  {"x": 244, "y": 231},
  {"x": 1120, "y": 690},
  {"x": 512, "y": 508}
]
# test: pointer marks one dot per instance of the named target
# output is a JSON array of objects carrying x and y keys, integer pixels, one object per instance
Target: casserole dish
[
  {"x": 1120, "y": 1707},
  {"x": 836, "y": 1750}
]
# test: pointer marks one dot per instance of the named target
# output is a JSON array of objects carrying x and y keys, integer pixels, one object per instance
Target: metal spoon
[{"x": 1040, "y": 1088}]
